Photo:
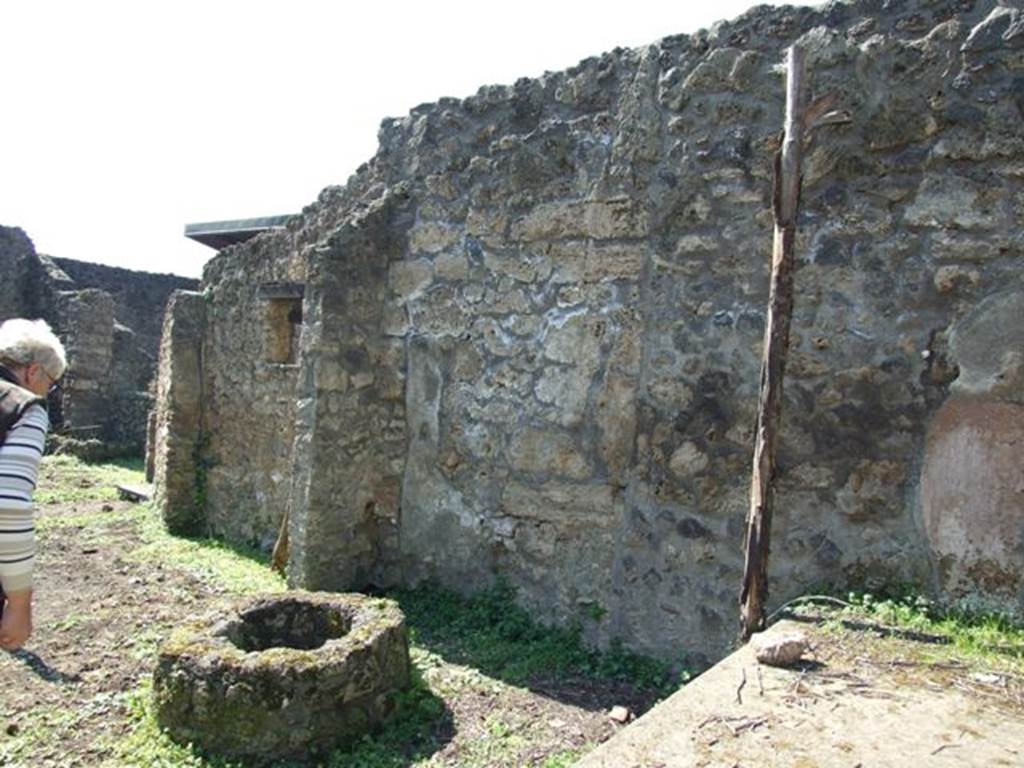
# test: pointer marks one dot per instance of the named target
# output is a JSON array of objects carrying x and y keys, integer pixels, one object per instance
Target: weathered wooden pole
[
  {"x": 786, "y": 198},
  {"x": 279, "y": 557}
]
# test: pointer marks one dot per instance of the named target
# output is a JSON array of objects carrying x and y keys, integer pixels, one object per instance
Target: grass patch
[
  {"x": 92, "y": 521},
  {"x": 236, "y": 568},
  {"x": 975, "y": 633},
  {"x": 490, "y": 632},
  {"x": 39, "y": 731},
  {"x": 564, "y": 759},
  {"x": 68, "y": 479}
]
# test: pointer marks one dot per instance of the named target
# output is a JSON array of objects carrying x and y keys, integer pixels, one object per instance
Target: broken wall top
[{"x": 686, "y": 75}]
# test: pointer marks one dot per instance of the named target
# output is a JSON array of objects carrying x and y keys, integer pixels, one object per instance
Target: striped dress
[{"x": 19, "y": 469}]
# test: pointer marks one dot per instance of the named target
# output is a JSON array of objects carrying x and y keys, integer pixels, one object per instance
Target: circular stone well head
[
  {"x": 283, "y": 675},
  {"x": 287, "y": 623}
]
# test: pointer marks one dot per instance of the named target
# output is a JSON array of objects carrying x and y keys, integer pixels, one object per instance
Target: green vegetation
[
  {"x": 489, "y": 632},
  {"x": 421, "y": 722},
  {"x": 45, "y": 726},
  {"x": 94, "y": 522},
  {"x": 966, "y": 629},
  {"x": 475, "y": 649},
  {"x": 974, "y": 631},
  {"x": 233, "y": 567},
  {"x": 64, "y": 479}
]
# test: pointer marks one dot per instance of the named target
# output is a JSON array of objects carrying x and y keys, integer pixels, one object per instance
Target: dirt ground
[
  {"x": 71, "y": 697},
  {"x": 98, "y": 618},
  {"x": 866, "y": 697}
]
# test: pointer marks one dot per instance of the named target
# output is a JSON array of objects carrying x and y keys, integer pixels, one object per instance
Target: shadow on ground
[
  {"x": 43, "y": 670},
  {"x": 490, "y": 633}
]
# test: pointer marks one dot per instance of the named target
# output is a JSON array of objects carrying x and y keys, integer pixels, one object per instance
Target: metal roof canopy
[
  {"x": 282, "y": 290},
  {"x": 221, "y": 234}
]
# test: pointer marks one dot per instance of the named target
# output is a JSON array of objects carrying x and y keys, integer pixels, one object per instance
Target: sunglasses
[{"x": 54, "y": 383}]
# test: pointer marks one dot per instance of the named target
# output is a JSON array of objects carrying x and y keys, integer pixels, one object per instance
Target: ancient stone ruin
[
  {"x": 523, "y": 340},
  {"x": 284, "y": 676},
  {"x": 110, "y": 322}
]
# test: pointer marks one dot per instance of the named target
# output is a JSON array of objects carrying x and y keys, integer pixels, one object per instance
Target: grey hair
[{"x": 23, "y": 342}]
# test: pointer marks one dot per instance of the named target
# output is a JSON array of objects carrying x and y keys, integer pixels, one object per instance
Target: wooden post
[
  {"x": 279, "y": 557},
  {"x": 786, "y": 197}
]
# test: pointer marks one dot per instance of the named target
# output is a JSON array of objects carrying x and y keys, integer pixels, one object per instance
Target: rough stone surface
[
  {"x": 988, "y": 346},
  {"x": 284, "y": 676},
  {"x": 109, "y": 320},
  {"x": 972, "y": 499},
  {"x": 780, "y": 650},
  {"x": 87, "y": 331},
  {"x": 139, "y": 297},
  {"x": 179, "y": 471},
  {"x": 856, "y": 707},
  {"x": 532, "y": 324},
  {"x": 249, "y": 396}
]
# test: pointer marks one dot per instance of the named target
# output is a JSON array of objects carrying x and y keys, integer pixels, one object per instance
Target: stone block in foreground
[
  {"x": 283, "y": 675},
  {"x": 863, "y": 701}
]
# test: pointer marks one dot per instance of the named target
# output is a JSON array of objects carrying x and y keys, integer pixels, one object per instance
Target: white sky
[{"x": 122, "y": 121}]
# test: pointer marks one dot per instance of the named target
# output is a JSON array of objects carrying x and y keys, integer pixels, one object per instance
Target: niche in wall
[{"x": 283, "y": 321}]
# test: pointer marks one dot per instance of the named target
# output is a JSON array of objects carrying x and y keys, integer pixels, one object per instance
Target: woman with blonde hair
[{"x": 32, "y": 361}]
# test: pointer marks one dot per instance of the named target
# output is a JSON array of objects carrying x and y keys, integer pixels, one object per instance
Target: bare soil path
[{"x": 100, "y": 611}]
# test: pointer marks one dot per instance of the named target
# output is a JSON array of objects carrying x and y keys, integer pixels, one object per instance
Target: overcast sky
[{"x": 122, "y": 121}]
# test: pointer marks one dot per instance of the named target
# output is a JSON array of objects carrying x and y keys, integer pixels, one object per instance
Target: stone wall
[
  {"x": 109, "y": 320},
  {"x": 178, "y": 468},
  {"x": 31, "y": 280},
  {"x": 87, "y": 329},
  {"x": 15, "y": 250},
  {"x": 565, "y": 281},
  {"x": 346, "y": 508},
  {"x": 249, "y": 397},
  {"x": 139, "y": 296}
]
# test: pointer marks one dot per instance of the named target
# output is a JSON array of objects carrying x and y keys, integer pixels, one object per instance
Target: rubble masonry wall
[{"x": 533, "y": 323}]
